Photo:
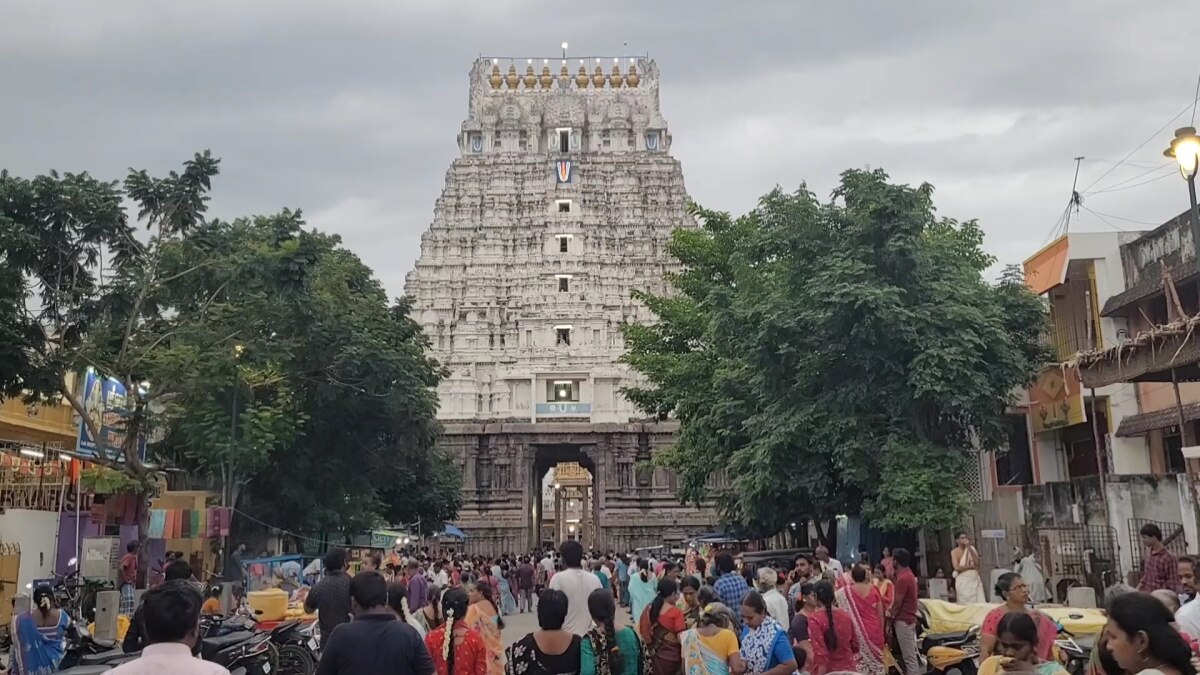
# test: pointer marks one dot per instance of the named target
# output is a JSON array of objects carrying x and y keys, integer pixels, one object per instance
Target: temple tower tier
[{"x": 561, "y": 204}]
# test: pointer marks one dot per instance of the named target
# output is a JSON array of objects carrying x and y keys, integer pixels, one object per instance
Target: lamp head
[{"x": 1185, "y": 150}]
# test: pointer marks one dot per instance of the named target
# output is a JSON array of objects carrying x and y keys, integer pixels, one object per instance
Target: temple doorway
[{"x": 564, "y": 498}]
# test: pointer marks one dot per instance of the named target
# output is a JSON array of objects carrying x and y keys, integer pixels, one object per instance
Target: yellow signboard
[{"x": 1056, "y": 399}]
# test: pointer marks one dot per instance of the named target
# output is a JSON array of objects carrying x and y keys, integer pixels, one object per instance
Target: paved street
[{"x": 517, "y": 625}]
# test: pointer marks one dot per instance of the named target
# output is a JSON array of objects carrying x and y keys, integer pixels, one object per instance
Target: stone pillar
[
  {"x": 585, "y": 535},
  {"x": 558, "y": 517}
]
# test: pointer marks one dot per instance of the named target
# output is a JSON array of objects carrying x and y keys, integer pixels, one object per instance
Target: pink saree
[{"x": 865, "y": 615}]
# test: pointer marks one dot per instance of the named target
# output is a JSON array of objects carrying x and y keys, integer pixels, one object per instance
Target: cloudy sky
[{"x": 349, "y": 109}]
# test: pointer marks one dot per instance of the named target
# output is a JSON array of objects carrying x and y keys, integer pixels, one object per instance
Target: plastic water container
[{"x": 268, "y": 605}]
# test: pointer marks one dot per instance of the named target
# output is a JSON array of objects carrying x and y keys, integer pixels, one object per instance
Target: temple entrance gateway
[{"x": 564, "y": 497}]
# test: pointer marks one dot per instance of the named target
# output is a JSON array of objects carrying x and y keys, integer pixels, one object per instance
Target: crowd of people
[{"x": 420, "y": 615}]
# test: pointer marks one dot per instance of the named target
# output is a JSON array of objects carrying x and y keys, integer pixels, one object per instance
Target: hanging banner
[
  {"x": 563, "y": 167},
  {"x": 104, "y": 404},
  {"x": 1056, "y": 400}
]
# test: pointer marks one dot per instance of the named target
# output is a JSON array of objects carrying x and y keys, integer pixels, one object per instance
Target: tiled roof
[
  {"x": 1150, "y": 285},
  {"x": 1141, "y": 424}
]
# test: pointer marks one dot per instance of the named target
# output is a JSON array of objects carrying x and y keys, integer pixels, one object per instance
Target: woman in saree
[
  {"x": 765, "y": 646},
  {"x": 508, "y": 601},
  {"x": 864, "y": 604},
  {"x": 37, "y": 636},
  {"x": 660, "y": 626},
  {"x": 642, "y": 588},
  {"x": 711, "y": 648},
  {"x": 606, "y": 650},
  {"x": 887, "y": 590},
  {"x": 484, "y": 616},
  {"x": 1018, "y": 635},
  {"x": 689, "y": 591}
]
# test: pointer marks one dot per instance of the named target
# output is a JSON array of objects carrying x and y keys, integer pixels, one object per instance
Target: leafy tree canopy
[
  {"x": 835, "y": 357},
  {"x": 255, "y": 352}
]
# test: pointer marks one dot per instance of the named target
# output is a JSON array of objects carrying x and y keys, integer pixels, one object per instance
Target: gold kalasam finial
[
  {"x": 530, "y": 78},
  {"x": 547, "y": 79},
  {"x": 616, "y": 80},
  {"x": 495, "y": 78},
  {"x": 631, "y": 78},
  {"x": 598, "y": 78},
  {"x": 564, "y": 76},
  {"x": 512, "y": 80},
  {"x": 581, "y": 80}
]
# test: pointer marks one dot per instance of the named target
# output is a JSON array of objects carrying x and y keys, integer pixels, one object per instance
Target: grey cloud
[{"x": 349, "y": 110}]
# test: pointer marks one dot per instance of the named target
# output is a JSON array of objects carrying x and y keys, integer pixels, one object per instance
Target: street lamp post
[{"x": 1185, "y": 150}]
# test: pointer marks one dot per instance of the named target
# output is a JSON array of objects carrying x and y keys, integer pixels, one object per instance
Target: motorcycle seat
[
  {"x": 947, "y": 639},
  {"x": 210, "y": 646},
  {"x": 101, "y": 657}
]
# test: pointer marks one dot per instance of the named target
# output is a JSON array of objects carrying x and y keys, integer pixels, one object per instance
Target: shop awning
[
  {"x": 1144, "y": 423},
  {"x": 452, "y": 531},
  {"x": 1048, "y": 267}
]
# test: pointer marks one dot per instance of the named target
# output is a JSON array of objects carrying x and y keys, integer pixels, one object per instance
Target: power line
[
  {"x": 1130, "y": 187},
  {"x": 1191, "y": 104},
  {"x": 1106, "y": 220},
  {"x": 1128, "y": 220},
  {"x": 1134, "y": 177}
]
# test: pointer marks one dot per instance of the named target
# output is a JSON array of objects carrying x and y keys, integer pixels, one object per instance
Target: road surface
[{"x": 516, "y": 626}]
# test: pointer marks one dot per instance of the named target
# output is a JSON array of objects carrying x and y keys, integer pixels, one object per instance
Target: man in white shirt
[
  {"x": 829, "y": 564},
  {"x": 548, "y": 562},
  {"x": 777, "y": 605},
  {"x": 441, "y": 578},
  {"x": 170, "y": 629},
  {"x": 1188, "y": 616},
  {"x": 577, "y": 585}
]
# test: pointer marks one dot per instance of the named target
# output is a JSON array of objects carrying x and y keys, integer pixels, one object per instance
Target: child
[{"x": 212, "y": 602}]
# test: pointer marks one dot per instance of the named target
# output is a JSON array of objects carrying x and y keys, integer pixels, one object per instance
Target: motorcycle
[
  {"x": 250, "y": 651},
  {"x": 84, "y": 650},
  {"x": 299, "y": 649},
  {"x": 954, "y": 653},
  {"x": 1077, "y": 651}
]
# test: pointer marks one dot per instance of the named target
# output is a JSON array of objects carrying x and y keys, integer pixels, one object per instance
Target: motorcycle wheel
[{"x": 296, "y": 660}]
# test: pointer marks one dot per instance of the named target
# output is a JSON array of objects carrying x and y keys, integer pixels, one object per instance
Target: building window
[
  {"x": 562, "y": 391},
  {"x": 1173, "y": 449},
  {"x": 564, "y": 284},
  {"x": 564, "y": 140},
  {"x": 1013, "y": 465},
  {"x": 596, "y": 336},
  {"x": 528, "y": 338},
  {"x": 562, "y": 336},
  {"x": 564, "y": 243},
  {"x": 564, "y": 205}
]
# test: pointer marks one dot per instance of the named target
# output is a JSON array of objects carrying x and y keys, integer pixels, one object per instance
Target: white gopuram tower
[{"x": 560, "y": 205}]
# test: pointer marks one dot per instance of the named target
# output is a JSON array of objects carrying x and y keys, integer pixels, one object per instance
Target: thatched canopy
[{"x": 1148, "y": 357}]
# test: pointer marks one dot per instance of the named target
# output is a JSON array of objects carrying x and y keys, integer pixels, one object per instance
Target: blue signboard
[
  {"x": 563, "y": 408},
  {"x": 104, "y": 404}
]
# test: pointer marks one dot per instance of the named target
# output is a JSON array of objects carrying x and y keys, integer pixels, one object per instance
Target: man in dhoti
[{"x": 968, "y": 585}]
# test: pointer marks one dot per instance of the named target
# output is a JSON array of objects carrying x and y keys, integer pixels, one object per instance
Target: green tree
[
  {"x": 82, "y": 286},
  {"x": 835, "y": 358},
  {"x": 327, "y": 419},
  {"x": 251, "y": 350}
]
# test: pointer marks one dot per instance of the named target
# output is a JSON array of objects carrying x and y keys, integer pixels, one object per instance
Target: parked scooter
[
  {"x": 249, "y": 650},
  {"x": 1077, "y": 651},
  {"x": 298, "y": 648},
  {"x": 84, "y": 650}
]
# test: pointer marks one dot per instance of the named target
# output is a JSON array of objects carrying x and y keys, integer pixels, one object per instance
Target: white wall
[{"x": 37, "y": 534}]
